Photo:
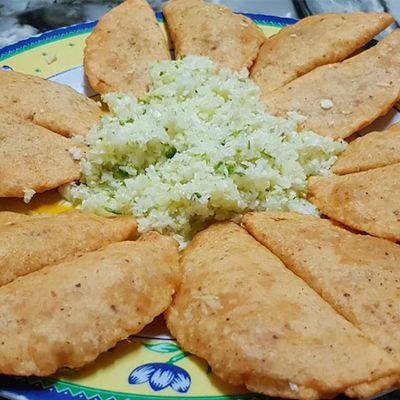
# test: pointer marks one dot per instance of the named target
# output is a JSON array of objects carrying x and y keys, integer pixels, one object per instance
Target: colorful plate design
[{"x": 150, "y": 365}]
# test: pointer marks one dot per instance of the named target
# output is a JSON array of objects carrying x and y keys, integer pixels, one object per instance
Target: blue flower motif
[
  {"x": 6, "y": 68},
  {"x": 161, "y": 376}
]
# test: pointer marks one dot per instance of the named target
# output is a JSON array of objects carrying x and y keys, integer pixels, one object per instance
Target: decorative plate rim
[
  {"x": 53, "y": 389},
  {"x": 23, "y": 45}
]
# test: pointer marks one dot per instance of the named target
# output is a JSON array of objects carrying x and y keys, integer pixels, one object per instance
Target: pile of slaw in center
[{"x": 198, "y": 148}]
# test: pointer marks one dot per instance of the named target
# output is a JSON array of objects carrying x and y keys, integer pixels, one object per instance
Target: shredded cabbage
[{"x": 198, "y": 147}]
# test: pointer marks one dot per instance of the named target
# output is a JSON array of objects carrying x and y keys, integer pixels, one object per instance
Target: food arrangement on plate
[{"x": 232, "y": 151}]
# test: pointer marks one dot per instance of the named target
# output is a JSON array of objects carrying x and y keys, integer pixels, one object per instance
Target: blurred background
[{"x": 22, "y": 18}]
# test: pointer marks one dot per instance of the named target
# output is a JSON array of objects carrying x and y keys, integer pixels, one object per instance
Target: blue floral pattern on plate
[
  {"x": 163, "y": 375},
  {"x": 160, "y": 376}
]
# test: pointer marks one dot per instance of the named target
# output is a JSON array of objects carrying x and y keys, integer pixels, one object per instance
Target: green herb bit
[
  {"x": 110, "y": 210},
  {"x": 120, "y": 174},
  {"x": 231, "y": 169},
  {"x": 170, "y": 152},
  {"x": 220, "y": 167},
  {"x": 195, "y": 195}
]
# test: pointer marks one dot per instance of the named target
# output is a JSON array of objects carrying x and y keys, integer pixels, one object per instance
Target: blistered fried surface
[
  {"x": 368, "y": 201},
  {"x": 66, "y": 315},
  {"x": 51, "y": 105},
  {"x": 358, "y": 275},
  {"x": 213, "y": 30},
  {"x": 340, "y": 99},
  {"x": 33, "y": 243},
  {"x": 313, "y": 41},
  {"x": 9, "y": 217},
  {"x": 32, "y": 157},
  {"x": 258, "y": 324},
  {"x": 123, "y": 46},
  {"x": 374, "y": 150}
]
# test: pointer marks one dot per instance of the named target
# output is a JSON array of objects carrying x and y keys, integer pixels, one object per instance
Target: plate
[{"x": 148, "y": 365}]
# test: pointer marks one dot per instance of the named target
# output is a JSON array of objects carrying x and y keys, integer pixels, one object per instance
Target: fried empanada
[
  {"x": 340, "y": 99},
  {"x": 376, "y": 149},
  {"x": 51, "y": 105},
  {"x": 33, "y": 158},
  {"x": 33, "y": 243},
  {"x": 259, "y": 325},
  {"x": 123, "y": 47},
  {"x": 67, "y": 314},
  {"x": 367, "y": 201},
  {"x": 313, "y": 41},
  {"x": 213, "y": 30},
  {"x": 9, "y": 217},
  {"x": 358, "y": 275}
]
